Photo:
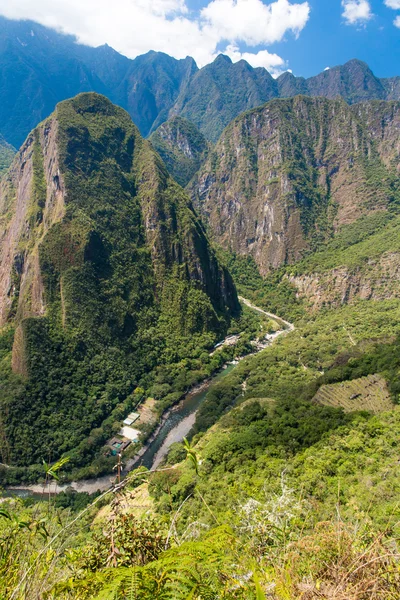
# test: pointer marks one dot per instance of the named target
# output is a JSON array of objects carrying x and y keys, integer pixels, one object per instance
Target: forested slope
[{"x": 106, "y": 274}]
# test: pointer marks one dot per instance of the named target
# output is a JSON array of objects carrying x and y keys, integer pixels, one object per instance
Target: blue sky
[
  {"x": 304, "y": 36},
  {"x": 327, "y": 40}
]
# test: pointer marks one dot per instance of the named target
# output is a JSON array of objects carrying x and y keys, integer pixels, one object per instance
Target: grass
[{"x": 355, "y": 245}]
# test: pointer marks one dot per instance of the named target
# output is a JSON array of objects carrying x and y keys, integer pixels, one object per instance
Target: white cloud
[
  {"x": 272, "y": 62},
  {"x": 254, "y": 22},
  {"x": 327, "y": 69},
  {"x": 395, "y": 4},
  {"x": 396, "y": 22},
  {"x": 135, "y": 26},
  {"x": 356, "y": 11}
]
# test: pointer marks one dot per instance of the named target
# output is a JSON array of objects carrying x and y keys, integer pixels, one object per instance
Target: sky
[{"x": 302, "y": 36}]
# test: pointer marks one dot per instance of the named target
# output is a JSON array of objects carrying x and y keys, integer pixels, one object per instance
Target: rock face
[
  {"x": 182, "y": 147},
  {"x": 378, "y": 279},
  {"x": 100, "y": 252},
  {"x": 286, "y": 176},
  {"x": 32, "y": 200}
]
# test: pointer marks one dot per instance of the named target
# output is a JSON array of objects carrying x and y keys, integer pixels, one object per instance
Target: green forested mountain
[
  {"x": 182, "y": 147},
  {"x": 287, "y": 176},
  {"x": 106, "y": 273},
  {"x": 40, "y": 67},
  {"x": 222, "y": 90},
  {"x": 113, "y": 299}
]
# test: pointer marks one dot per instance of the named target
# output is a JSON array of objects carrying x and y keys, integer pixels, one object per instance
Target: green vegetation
[
  {"x": 182, "y": 147},
  {"x": 366, "y": 393},
  {"x": 279, "y": 496},
  {"x": 220, "y": 91},
  {"x": 274, "y": 293},
  {"x": 254, "y": 528},
  {"x": 366, "y": 239},
  {"x": 133, "y": 296},
  {"x": 298, "y": 364},
  {"x": 39, "y": 187},
  {"x": 7, "y": 153}
]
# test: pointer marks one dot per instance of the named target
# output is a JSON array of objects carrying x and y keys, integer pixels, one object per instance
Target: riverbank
[{"x": 170, "y": 428}]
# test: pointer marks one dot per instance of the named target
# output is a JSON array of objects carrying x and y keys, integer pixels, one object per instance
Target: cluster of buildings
[{"x": 126, "y": 435}]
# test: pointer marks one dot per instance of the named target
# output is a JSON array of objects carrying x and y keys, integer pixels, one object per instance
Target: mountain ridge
[
  {"x": 46, "y": 67},
  {"x": 284, "y": 177}
]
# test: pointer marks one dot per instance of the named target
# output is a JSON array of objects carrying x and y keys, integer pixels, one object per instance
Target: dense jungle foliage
[
  {"x": 135, "y": 295},
  {"x": 273, "y": 527}
]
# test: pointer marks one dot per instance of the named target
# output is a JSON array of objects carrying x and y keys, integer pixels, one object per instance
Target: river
[{"x": 175, "y": 425}]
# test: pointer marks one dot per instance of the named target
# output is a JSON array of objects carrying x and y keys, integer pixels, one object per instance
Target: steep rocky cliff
[
  {"x": 182, "y": 147},
  {"x": 286, "y": 176},
  {"x": 378, "y": 279},
  {"x": 102, "y": 264},
  {"x": 361, "y": 263}
]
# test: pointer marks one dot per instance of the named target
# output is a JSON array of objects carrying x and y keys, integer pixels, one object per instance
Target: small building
[
  {"x": 130, "y": 433},
  {"x": 117, "y": 445},
  {"x": 131, "y": 418}
]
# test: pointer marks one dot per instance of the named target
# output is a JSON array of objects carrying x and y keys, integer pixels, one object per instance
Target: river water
[
  {"x": 175, "y": 425},
  {"x": 178, "y": 424},
  {"x": 174, "y": 428}
]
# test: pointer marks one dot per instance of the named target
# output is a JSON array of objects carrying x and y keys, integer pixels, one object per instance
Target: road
[{"x": 288, "y": 326}]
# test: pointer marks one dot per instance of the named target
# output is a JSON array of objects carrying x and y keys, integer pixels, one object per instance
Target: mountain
[
  {"x": 151, "y": 87},
  {"x": 286, "y": 176},
  {"x": 106, "y": 274},
  {"x": 40, "y": 67},
  {"x": 182, "y": 147},
  {"x": 354, "y": 81},
  {"x": 220, "y": 91},
  {"x": 7, "y": 153}
]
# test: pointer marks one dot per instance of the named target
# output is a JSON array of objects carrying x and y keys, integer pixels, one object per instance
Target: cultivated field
[{"x": 367, "y": 393}]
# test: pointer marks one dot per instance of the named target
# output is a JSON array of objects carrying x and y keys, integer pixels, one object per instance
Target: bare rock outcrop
[{"x": 291, "y": 173}]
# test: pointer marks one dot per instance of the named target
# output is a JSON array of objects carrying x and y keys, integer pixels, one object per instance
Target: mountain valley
[{"x": 208, "y": 261}]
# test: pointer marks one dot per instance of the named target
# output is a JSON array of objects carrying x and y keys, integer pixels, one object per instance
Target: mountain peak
[
  {"x": 101, "y": 254},
  {"x": 356, "y": 62},
  {"x": 221, "y": 59},
  {"x": 51, "y": 66}
]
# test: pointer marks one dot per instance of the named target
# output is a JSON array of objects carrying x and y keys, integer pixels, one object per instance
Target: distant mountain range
[{"x": 40, "y": 67}]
